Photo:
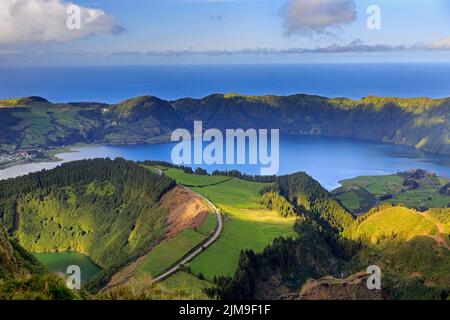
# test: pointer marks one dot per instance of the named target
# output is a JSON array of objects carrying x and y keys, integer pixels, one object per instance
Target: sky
[{"x": 121, "y": 32}]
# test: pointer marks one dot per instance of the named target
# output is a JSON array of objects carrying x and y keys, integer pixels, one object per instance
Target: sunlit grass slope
[
  {"x": 188, "y": 283},
  {"x": 164, "y": 255},
  {"x": 393, "y": 223},
  {"x": 247, "y": 224}
]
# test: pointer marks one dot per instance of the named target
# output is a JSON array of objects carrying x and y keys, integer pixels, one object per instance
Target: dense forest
[
  {"x": 106, "y": 209},
  {"x": 36, "y": 123},
  {"x": 278, "y": 203},
  {"x": 310, "y": 199}
]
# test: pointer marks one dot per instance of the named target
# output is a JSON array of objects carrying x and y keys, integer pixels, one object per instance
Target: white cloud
[
  {"x": 24, "y": 21},
  {"x": 441, "y": 44},
  {"x": 307, "y": 17}
]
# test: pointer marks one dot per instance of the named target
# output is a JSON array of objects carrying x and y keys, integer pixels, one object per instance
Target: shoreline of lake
[{"x": 328, "y": 160}]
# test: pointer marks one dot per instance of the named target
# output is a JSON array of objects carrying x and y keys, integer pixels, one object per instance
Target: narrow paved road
[{"x": 209, "y": 241}]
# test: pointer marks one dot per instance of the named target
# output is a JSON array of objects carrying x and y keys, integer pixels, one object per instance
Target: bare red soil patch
[{"x": 186, "y": 210}]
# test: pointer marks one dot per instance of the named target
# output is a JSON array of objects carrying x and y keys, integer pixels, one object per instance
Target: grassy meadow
[
  {"x": 208, "y": 225},
  {"x": 187, "y": 282},
  {"x": 167, "y": 253},
  {"x": 247, "y": 224},
  {"x": 422, "y": 197},
  {"x": 361, "y": 194},
  {"x": 377, "y": 185}
]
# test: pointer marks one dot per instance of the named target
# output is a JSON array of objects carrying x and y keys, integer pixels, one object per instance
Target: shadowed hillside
[
  {"x": 108, "y": 210},
  {"x": 36, "y": 123},
  {"x": 412, "y": 249},
  {"x": 23, "y": 277}
]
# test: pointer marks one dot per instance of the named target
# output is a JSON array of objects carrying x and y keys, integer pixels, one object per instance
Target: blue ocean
[{"x": 114, "y": 84}]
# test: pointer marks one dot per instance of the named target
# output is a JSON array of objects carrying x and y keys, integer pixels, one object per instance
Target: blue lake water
[
  {"x": 114, "y": 84},
  {"x": 328, "y": 160}
]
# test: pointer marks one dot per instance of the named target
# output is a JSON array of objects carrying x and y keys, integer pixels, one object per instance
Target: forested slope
[
  {"x": 107, "y": 209},
  {"x": 36, "y": 123},
  {"x": 288, "y": 263},
  {"x": 281, "y": 268},
  {"x": 23, "y": 277},
  {"x": 310, "y": 199},
  {"x": 410, "y": 247},
  {"x": 420, "y": 122}
]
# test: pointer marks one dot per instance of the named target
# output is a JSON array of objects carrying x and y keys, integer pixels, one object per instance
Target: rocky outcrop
[{"x": 330, "y": 288}]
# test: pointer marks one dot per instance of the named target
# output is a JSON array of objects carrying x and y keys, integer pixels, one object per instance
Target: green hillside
[
  {"x": 310, "y": 199},
  {"x": 419, "y": 122},
  {"x": 247, "y": 223},
  {"x": 15, "y": 261},
  {"x": 280, "y": 268},
  {"x": 415, "y": 189},
  {"x": 254, "y": 236},
  {"x": 412, "y": 252},
  {"x": 276, "y": 235},
  {"x": 36, "y": 123},
  {"x": 392, "y": 223},
  {"x": 107, "y": 210},
  {"x": 23, "y": 277},
  {"x": 411, "y": 248},
  {"x": 166, "y": 254}
]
